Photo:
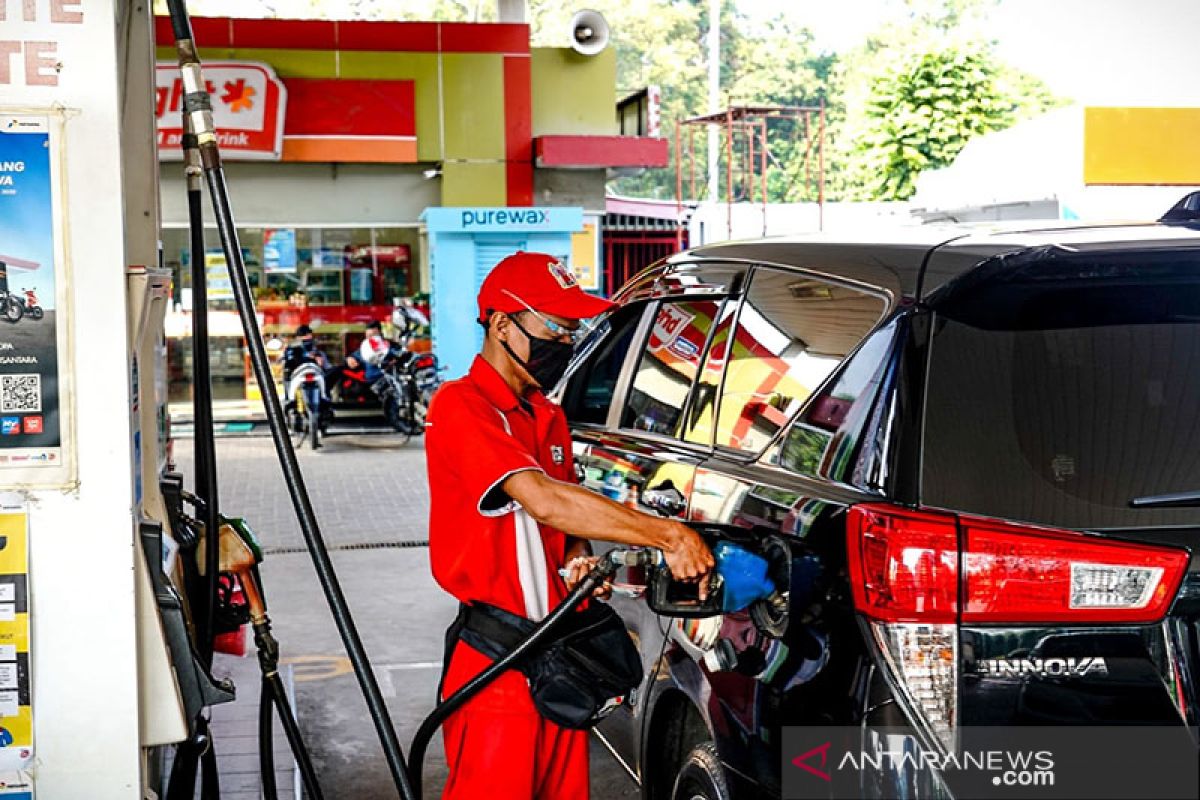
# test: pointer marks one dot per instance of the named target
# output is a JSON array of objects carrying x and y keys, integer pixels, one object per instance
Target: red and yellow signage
[
  {"x": 248, "y": 109},
  {"x": 261, "y": 117},
  {"x": 367, "y": 121}
]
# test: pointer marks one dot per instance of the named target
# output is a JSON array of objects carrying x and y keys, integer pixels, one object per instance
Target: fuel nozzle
[{"x": 744, "y": 578}]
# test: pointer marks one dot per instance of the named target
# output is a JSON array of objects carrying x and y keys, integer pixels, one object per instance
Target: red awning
[{"x": 589, "y": 152}]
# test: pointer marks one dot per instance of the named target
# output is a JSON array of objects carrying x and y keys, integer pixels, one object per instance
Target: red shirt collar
[{"x": 497, "y": 390}]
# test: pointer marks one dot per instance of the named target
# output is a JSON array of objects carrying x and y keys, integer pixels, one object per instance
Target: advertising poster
[
  {"x": 217, "y": 274},
  {"x": 279, "y": 250},
  {"x": 31, "y": 426}
]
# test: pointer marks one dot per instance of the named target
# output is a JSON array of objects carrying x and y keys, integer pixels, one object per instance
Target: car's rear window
[{"x": 1062, "y": 388}]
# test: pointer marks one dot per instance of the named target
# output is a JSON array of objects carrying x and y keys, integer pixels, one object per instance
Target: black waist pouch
[{"x": 576, "y": 679}]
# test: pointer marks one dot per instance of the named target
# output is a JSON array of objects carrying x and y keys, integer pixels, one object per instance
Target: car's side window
[
  {"x": 590, "y": 389},
  {"x": 824, "y": 438},
  {"x": 669, "y": 364},
  {"x": 792, "y": 332},
  {"x": 702, "y": 411}
]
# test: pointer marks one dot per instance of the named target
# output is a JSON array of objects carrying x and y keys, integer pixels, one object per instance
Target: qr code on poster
[{"x": 20, "y": 393}]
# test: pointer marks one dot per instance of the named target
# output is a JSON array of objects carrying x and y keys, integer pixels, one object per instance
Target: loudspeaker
[{"x": 589, "y": 32}]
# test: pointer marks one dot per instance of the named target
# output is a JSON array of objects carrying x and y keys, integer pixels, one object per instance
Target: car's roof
[{"x": 912, "y": 261}]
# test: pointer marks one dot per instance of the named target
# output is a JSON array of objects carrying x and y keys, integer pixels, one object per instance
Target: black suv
[{"x": 972, "y": 458}]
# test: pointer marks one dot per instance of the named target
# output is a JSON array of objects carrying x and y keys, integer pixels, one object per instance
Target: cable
[{"x": 202, "y": 412}]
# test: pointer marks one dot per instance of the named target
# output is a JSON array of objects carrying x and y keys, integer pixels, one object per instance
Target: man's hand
[
  {"x": 687, "y": 556},
  {"x": 577, "y": 570},
  {"x": 579, "y": 512}
]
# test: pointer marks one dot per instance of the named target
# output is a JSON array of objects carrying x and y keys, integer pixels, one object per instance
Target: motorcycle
[
  {"x": 402, "y": 382},
  {"x": 11, "y": 307},
  {"x": 305, "y": 404},
  {"x": 30, "y": 304},
  {"x": 388, "y": 381}
]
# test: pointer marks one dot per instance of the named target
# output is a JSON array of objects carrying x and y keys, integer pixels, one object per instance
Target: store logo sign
[
  {"x": 518, "y": 218},
  {"x": 248, "y": 102}
]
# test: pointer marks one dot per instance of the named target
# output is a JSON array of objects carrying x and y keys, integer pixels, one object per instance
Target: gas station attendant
[{"x": 506, "y": 515}]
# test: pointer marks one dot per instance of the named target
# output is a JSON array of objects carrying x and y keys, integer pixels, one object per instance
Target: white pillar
[
  {"x": 511, "y": 10},
  {"x": 714, "y": 96},
  {"x": 84, "y": 640}
]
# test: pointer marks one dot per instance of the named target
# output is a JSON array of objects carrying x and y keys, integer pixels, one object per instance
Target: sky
[{"x": 1098, "y": 52}]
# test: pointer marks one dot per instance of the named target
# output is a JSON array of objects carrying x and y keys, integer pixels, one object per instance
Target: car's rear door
[
  {"x": 627, "y": 401},
  {"x": 792, "y": 386}
]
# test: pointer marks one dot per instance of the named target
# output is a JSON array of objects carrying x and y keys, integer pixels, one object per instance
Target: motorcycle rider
[
  {"x": 308, "y": 343},
  {"x": 373, "y": 342}
]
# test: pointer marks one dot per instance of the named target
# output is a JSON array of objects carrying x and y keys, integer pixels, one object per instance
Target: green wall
[{"x": 574, "y": 94}]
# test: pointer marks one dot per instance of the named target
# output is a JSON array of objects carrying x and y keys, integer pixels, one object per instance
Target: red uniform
[{"x": 484, "y": 547}]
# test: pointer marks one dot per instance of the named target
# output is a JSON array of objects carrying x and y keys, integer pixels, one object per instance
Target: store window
[
  {"x": 335, "y": 278},
  {"x": 304, "y": 266}
]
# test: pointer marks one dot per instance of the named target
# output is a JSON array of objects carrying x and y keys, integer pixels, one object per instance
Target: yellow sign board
[
  {"x": 1141, "y": 146},
  {"x": 584, "y": 258},
  {"x": 16, "y": 713}
]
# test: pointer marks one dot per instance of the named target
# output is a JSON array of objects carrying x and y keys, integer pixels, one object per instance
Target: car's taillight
[
  {"x": 1017, "y": 574},
  {"x": 903, "y": 564},
  {"x": 905, "y": 568}
]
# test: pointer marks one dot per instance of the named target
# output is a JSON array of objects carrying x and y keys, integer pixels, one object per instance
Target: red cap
[{"x": 538, "y": 281}]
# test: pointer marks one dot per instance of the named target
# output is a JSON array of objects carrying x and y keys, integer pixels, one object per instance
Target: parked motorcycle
[
  {"x": 304, "y": 395},
  {"x": 404, "y": 382},
  {"x": 389, "y": 382},
  {"x": 31, "y": 304},
  {"x": 11, "y": 307}
]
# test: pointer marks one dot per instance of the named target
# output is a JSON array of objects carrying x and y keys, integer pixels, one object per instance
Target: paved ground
[{"x": 371, "y": 497}]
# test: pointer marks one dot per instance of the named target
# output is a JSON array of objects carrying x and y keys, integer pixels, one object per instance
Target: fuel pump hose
[
  {"x": 605, "y": 567},
  {"x": 198, "y": 105}
]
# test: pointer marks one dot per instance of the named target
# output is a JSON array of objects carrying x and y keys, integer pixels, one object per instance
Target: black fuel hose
[
  {"x": 202, "y": 410},
  {"x": 266, "y": 742},
  {"x": 199, "y": 106},
  {"x": 603, "y": 570}
]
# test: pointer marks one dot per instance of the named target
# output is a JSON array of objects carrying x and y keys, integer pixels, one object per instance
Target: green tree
[
  {"x": 922, "y": 113},
  {"x": 877, "y": 156}
]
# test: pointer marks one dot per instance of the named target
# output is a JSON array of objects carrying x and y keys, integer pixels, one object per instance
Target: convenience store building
[{"x": 339, "y": 136}]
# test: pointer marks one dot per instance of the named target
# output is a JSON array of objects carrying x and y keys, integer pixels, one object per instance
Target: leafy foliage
[
  {"x": 894, "y": 104},
  {"x": 923, "y": 112}
]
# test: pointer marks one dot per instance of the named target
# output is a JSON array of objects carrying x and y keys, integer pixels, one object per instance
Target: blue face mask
[{"x": 309, "y": 345}]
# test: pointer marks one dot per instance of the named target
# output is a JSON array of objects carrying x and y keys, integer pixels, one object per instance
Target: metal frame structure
[{"x": 748, "y": 156}]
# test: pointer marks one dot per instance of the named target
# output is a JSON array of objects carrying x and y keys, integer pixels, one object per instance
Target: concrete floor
[{"x": 370, "y": 495}]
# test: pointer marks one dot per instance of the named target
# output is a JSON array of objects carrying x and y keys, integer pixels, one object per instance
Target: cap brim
[{"x": 576, "y": 305}]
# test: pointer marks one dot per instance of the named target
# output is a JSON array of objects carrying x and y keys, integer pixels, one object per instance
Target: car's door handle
[{"x": 665, "y": 499}]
